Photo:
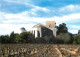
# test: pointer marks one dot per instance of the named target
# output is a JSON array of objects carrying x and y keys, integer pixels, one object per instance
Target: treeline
[
  {"x": 24, "y": 37},
  {"x": 63, "y": 37}
]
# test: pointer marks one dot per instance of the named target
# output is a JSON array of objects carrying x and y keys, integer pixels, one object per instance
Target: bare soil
[{"x": 39, "y": 50}]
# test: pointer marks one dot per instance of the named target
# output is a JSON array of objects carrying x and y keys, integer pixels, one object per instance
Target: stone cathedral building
[{"x": 40, "y": 30}]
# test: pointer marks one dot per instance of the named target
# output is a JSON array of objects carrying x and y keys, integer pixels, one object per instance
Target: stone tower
[{"x": 52, "y": 26}]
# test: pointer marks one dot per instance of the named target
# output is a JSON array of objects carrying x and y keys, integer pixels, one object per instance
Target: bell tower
[{"x": 52, "y": 26}]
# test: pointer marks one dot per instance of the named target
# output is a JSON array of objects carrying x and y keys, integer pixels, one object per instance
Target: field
[{"x": 39, "y": 50}]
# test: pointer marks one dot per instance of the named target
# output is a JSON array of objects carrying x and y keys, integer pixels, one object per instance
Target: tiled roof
[{"x": 50, "y": 22}]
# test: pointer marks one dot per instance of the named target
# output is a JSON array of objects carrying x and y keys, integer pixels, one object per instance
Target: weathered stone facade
[{"x": 40, "y": 30}]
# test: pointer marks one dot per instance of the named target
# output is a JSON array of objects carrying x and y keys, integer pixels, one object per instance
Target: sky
[{"x": 15, "y": 14}]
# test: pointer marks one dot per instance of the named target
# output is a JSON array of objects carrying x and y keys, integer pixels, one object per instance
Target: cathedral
[{"x": 40, "y": 30}]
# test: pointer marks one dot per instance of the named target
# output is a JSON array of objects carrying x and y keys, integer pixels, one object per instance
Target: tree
[
  {"x": 62, "y": 29},
  {"x": 12, "y": 37},
  {"x": 64, "y": 38},
  {"x": 18, "y": 39},
  {"x": 24, "y": 37},
  {"x": 31, "y": 37},
  {"x": 76, "y": 39},
  {"x": 78, "y": 31},
  {"x": 4, "y": 39},
  {"x": 49, "y": 39},
  {"x": 38, "y": 40}
]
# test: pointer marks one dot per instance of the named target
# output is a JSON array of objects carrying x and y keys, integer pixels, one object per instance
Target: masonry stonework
[{"x": 40, "y": 30}]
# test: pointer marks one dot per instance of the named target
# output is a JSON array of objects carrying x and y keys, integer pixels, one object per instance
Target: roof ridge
[{"x": 38, "y": 25}]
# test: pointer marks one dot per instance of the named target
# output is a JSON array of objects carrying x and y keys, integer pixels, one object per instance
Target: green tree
[
  {"x": 78, "y": 31},
  {"x": 62, "y": 29},
  {"x": 64, "y": 38},
  {"x": 4, "y": 39},
  {"x": 24, "y": 37},
  {"x": 76, "y": 39},
  {"x": 49, "y": 39},
  {"x": 12, "y": 37},
  {"x": 18, "y": 39},
  {"x": 38, "y": 40},
  {"x": 31, "y": 37}
]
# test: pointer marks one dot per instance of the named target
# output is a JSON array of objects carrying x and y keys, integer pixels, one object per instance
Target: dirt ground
[{"x": 39, "y": 50}]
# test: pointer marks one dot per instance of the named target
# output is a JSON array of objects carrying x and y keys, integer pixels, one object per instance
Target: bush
[
  {"x": 77, "y": 39},
  {"x": 49, "y": 39},
  {"x": 64, "y": 38}
]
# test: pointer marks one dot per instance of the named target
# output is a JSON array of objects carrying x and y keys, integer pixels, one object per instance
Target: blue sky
[{"x": 15, "y": 14}]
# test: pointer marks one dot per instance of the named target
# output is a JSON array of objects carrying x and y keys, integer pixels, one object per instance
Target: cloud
[
  {"x": 67, "y": 18},
  {"x": 8, "y": 28},
  {"x": 73, "y": 31},
  {"x": 41, "y": 9},
  {"x": 23, "y": 20},
  {"x": 20, "y": 17},
  {"x": 36, "y": 9},
  {"x": 70, "y": 8},
  {"x": 28, "y": 3},
  {"x": 24, "y": 17},
  {"x": 75, "y": 26}
]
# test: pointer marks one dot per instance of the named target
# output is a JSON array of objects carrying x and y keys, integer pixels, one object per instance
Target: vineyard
[{"x": 39, "y": 50}]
